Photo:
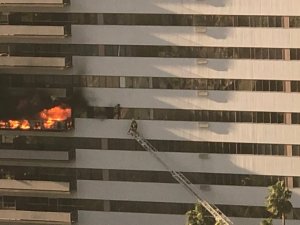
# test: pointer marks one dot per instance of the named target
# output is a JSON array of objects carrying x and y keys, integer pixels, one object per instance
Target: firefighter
[{"x": 133, "y": 126}]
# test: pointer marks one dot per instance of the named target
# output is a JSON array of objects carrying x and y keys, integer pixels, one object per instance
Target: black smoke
[
  {"x": 21, "y": 104},
  {"x": 16, "y": 103}
]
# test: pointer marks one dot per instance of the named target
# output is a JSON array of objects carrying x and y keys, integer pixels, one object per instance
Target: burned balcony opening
[
  {"x": 46, "y": 125},
  {"x": 36, "y": 110}
]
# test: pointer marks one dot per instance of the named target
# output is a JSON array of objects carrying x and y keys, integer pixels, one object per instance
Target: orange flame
[
  {"x": 49, "y": 117},
  {"x": 54, "y": 114},
  {"x": 25, "y": 125},
  {"x": 14, "y": 124},
  {"x": 2, "y": 124}
]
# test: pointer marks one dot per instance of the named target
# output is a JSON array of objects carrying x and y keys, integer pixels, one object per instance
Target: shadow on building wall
[{"x": 216, "y": 3}]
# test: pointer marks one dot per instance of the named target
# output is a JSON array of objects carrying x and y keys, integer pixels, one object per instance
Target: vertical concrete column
[
  {"x": 151, "y": 110},
  {"x": 122, "y": 82},
  {"x": 100, "y": 21},
  {"x": 105, "y": 175},
  {"x": 287, "y": 88},
  {"x": 122, "y": 85}
]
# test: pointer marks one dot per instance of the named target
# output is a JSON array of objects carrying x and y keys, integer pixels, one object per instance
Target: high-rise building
[{"x": 213, "y": 85}]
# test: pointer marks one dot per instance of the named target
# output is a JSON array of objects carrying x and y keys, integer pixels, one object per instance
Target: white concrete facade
[
  {"x": 174, "y": 193},
  {"x": 182, "y": 131},
  {"x": 208, "y": 7},
  {"x": 190, "y": 99},
  {"x": 255, "y": 37},
  {"x": 243, "y": 69},
  {"x": 187, "y": 68},
  {"x": 131, "y": 160},
  {"x": 149, "y": 219}
]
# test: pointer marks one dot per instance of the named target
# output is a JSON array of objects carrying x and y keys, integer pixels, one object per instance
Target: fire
[
  {"x": 49, "y": 123},
  {"x": 49, "y": 119},
  {"x": 2, "y": 124},
  {"x": 14, "y": 124},
  {"x": 25, "y": 125},
  {"x": 54, "y": 114}
]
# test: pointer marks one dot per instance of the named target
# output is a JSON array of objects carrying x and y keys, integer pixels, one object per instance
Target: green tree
[
  {"x": 268, "y": 221},
  {"x": 199, "y": 216},
  {"x": 219, "y": 222},
  {"x": 278, "y": 203}
]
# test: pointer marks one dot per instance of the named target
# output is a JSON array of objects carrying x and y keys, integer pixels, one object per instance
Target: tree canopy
[
  {"x": 199, "y": 216},
  {"x": 277, "y": 202}
]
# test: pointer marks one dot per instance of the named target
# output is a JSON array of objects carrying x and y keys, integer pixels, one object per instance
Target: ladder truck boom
[{"x": 178, "y": 176}]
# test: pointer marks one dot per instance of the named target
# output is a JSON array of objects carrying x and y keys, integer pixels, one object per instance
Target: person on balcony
[{"x": 133, "y": 126}]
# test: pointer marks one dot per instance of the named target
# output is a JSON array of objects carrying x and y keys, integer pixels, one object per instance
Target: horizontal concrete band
[
  {"x": 172, "y": 99},
  {"x": 208, "y": 7},
  {"x": 184, "y": 162},
  {"x": 253, "y": 37},
  {"x": 180, "y": 131},
  {"x": 175, "y": 193},
  {"x": 174, "y": 68},
  {"x": 193, "y": 99},
  {"x": 117, "y": 218}
]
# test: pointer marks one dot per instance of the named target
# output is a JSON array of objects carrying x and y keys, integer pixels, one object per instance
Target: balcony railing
[
  {"x": 20, "y": 61},
  {"x": 32, "y": 185},
  {"x": 30, "y": 217},
  {"x": 35, "y": 31},
  {"x": 37, "y": 155},
  {"x": 58, "y": 3}
]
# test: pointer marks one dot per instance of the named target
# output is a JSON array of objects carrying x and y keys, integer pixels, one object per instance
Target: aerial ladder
[{"x": 178, "y": 176}]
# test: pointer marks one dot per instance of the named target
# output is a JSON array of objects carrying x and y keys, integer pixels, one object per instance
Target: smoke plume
[{"x": 27, "y": 104}]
